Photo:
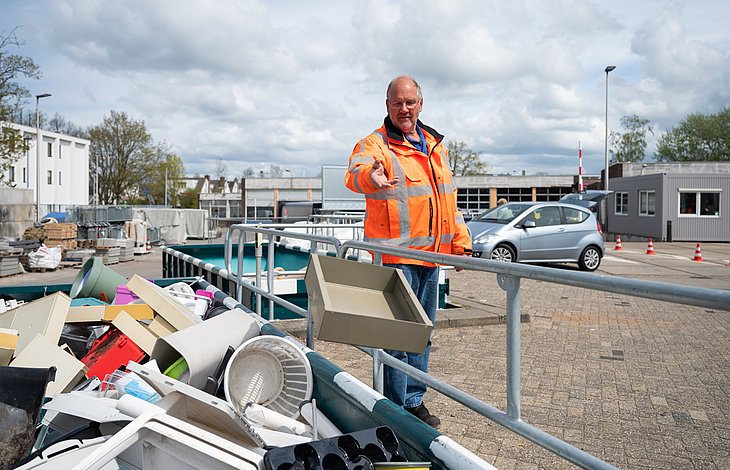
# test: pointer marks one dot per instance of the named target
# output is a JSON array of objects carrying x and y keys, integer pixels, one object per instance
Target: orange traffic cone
[
  {"x": 149, "y": 248},
  {"x": 618, "y": 244},
  {"x": 650, "y": 248},
  {"x": 698, "y": 254}
]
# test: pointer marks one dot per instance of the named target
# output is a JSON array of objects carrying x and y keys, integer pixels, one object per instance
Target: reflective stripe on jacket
[{"x": 419, "y": 212}]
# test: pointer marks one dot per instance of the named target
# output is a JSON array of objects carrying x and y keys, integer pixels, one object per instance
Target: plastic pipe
[
  {"x": 271, "y": 419},
  {"x": 325, "y": 427}
]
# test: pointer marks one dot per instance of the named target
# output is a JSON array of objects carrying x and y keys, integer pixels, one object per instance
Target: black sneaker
[{"x": 422, "y": 413}]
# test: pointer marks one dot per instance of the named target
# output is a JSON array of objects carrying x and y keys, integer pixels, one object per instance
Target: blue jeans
[{"x": 400, "y": 388}]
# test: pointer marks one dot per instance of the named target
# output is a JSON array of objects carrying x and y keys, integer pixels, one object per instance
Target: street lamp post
[
  {"x": 38, "y": 154},
  {"x": 605, "y": 178},
  {"x": 291, "y": 178}
]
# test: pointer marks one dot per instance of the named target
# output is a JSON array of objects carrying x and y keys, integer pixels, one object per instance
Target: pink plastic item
[
  {"x": 204, "y": 293},
  {"x": 126, "y": 296}
]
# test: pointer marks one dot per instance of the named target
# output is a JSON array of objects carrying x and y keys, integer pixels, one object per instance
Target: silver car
[{"x": 538, "y": 232}]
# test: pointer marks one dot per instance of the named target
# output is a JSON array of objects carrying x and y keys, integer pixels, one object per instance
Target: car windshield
[{"x": 504, "y": 214}]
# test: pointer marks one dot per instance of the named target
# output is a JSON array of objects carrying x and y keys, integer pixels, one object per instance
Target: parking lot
[{"x": 672, "y": 263}]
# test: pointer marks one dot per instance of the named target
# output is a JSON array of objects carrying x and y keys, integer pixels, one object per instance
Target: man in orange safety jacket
[{"x": 403, "y": 170}]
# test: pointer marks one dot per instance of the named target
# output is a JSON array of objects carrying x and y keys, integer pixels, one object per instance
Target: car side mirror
[{"x": 528, "y": 224}]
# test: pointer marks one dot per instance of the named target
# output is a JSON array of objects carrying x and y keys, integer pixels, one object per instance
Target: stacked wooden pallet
[
  {"x": 33, "y": 233},
  {"x": 60, "y": 234},
  {"x": 66, "y": 244},
  {"x": 87, "y": 244}
]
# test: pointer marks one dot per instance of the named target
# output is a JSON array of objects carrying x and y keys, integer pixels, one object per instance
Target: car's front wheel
[
  {"x": 590, "y": 259},
  {"x": 503, "y": 253}
]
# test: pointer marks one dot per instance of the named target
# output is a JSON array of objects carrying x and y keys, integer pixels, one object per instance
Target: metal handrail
[
  {"x": 233, "y": 277},
  {"x": 688, "y": 295},
  {"x": 242, "y": 229},
  {"x": 509, "y": 276}
]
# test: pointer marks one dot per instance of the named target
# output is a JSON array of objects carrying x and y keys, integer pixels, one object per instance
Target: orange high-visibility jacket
[{"x": 419, "y": 212}]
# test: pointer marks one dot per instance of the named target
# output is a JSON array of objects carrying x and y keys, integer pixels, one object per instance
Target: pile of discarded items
[{"x": 128, "y": 374}]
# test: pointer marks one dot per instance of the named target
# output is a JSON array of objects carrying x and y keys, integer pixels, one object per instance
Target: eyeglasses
[{"x": 399, "y": 105}]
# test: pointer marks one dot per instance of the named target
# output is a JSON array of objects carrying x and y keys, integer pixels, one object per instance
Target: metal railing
[
  {"x": 271, "y": 235},
  {"x": 509, "y": 277}
]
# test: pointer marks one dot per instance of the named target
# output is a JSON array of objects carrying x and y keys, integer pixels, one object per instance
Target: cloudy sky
[{"x": 297, "y": 83}]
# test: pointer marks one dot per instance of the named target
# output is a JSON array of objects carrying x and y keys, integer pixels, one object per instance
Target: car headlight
[{"x": 490, "y": 237}]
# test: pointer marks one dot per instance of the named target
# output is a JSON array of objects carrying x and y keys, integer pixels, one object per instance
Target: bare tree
[
  {"x": 274, "y": 171},
  {"x": 59, "y": 124},
  {"x": 221, "y": 168}
]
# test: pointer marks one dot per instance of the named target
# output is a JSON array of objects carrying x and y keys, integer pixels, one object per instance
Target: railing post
[
  {"x": 259, "y": 252},
  {"x": 511, "y": 285},
  {"x": 310, "y": 328},
  {"x": 239, "y": 266},
  {"x": 270, "y": 273},
  {"x": 378, "y": 372}
]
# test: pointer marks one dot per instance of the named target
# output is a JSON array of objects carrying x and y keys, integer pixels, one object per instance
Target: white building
[{"x": 64, "y": 169}]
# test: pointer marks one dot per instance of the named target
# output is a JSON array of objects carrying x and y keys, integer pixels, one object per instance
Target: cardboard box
[
  {"x": 40, "y": 352},
  {"x": 365, "y": 305},
  {"x": 44, "y": 316},
  {"x": 163, "y": 303}
]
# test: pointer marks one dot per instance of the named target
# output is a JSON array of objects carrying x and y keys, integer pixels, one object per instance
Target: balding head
[{"x": 398, "y": 79}]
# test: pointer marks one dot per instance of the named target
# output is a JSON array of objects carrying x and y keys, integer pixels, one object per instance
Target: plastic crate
[{"x": 112, "y": 350}]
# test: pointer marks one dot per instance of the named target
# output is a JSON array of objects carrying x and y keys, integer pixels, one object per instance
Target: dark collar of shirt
[{"x": 420, "y": 146}]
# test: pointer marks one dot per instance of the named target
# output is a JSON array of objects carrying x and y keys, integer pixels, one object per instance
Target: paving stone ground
[{"x": 641, "y": 384}]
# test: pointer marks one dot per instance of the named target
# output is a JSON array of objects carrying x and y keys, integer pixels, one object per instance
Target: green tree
[
  {"x": 126, "y": 156},
  {"x": 697, "y": 138},
  {"x": 161, "y": 157},
  {"x": 12, "y": 96},
  {"x": 189, "y": 198},
  {"x": 630, "y": 146},
  {"x": 464, "y": 161}
]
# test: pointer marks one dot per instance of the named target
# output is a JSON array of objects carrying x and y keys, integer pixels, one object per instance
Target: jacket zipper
[{"x": 430, "y": 218}]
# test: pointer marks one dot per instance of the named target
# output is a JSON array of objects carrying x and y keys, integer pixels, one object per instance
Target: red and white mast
[{"x": 580, "y": 167}]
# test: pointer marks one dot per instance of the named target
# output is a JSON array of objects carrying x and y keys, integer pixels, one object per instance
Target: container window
[
  {"x": 646, "y": 203},
  {"x": 699, "y": 203},
  {"x": 622, "y": 203}
]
